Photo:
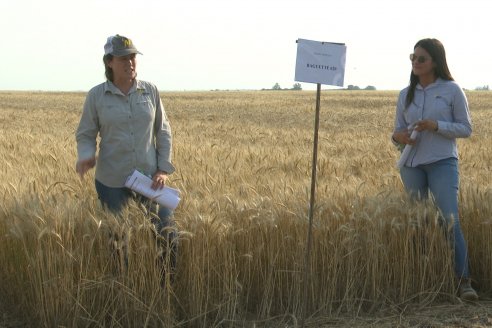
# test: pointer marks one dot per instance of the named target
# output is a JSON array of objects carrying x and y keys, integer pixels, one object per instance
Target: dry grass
[{"x": 243, "y": 162}]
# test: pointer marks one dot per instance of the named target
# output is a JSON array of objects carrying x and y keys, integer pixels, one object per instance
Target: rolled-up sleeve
[{"x": 87, "y": 130}]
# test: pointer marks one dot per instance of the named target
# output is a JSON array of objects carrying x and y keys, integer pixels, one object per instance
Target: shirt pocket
[
  {"x": 112, "y": 115},
  {"x": 443, "y": 108},
  {"x": 145, "y": 108},
  {"x": 442, "y": 103}
]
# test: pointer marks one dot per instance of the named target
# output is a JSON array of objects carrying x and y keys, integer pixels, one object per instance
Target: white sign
[{"x": 320, "y": 62}]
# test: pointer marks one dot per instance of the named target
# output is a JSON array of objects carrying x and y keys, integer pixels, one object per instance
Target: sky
[{"x": 187, "y": 45}]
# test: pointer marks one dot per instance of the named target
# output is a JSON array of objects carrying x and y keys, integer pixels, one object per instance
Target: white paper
[
  {"x": 406, "y": 151},
  {"x": 320, "y": 62},
  {"x": 140, "y": 183}
]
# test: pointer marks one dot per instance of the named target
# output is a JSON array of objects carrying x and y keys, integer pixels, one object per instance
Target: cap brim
[{"x": 125, "y": 52}]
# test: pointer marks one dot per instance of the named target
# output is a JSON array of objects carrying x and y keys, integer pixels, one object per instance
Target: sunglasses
[{"x": 419, "y": 59}]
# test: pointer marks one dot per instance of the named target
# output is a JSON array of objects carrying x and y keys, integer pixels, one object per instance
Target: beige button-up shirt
[{"x": 134, "y": 132}]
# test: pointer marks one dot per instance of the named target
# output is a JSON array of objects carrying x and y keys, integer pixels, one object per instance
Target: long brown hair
[
  {"x": 108, "y": 70},
  {"x": 436, "y": 50}
]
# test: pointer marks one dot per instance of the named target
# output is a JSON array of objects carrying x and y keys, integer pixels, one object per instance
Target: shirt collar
[
  {"x": 140, "y": 87},
  {"x": 110, "y": 87},
  {"x": 435, "y": 83}
]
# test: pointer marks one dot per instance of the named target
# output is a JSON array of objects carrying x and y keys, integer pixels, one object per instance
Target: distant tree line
[
  {"x": 296, "y": 86},
  {"x": 355, "y": 87},
  {"x": 483, "y": 88}
]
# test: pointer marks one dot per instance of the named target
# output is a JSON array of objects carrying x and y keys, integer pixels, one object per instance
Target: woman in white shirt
[{"x": 437, "y": 109}]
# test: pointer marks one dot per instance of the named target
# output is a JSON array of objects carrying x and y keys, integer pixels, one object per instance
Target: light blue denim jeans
[
  {"x": 441, "y": 178},
  {"x": 115, "y": 199}
]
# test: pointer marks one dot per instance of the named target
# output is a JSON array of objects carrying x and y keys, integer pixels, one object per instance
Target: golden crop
[{"x": 243, "y": 164}]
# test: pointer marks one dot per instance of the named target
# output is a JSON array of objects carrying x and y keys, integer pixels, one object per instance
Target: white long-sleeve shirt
[
  {"x": 134, "y": 132},
  {"x": 442, "y": 101}
]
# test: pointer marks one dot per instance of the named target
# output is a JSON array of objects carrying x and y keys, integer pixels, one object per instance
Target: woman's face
[
  {"x": 124, "y": 68},
  {"x": 422, "y": 63}
]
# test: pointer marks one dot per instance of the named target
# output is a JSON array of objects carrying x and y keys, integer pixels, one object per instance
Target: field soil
[{"x": 457, "y": 315}]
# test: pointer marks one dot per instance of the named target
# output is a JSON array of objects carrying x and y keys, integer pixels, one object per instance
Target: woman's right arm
[
  {"x": 86, "y": 136},
  {"x": 401, "y": 135}
]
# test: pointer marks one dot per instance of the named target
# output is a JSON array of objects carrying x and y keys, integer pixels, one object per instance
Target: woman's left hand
[
  {"x": 430, "y": 125},
  {"x": 159, "y": 180}
]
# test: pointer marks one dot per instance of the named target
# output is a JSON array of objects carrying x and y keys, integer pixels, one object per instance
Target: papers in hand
[
  {"x": 140, "y": 183},
  {"x": 406, "y": 151}
]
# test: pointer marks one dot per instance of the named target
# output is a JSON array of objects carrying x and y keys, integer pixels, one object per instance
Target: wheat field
[{"x": 243, "y": 162}]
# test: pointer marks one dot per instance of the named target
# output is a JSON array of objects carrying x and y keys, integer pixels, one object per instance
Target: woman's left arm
[
  {"x": 461, "y": 126},
  {"x": 163, "y": 138}
]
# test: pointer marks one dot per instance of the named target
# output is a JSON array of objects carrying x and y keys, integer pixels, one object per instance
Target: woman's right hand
[
  {"x": 85, "y": 165},
  {"x": 403, "y": 137}
]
